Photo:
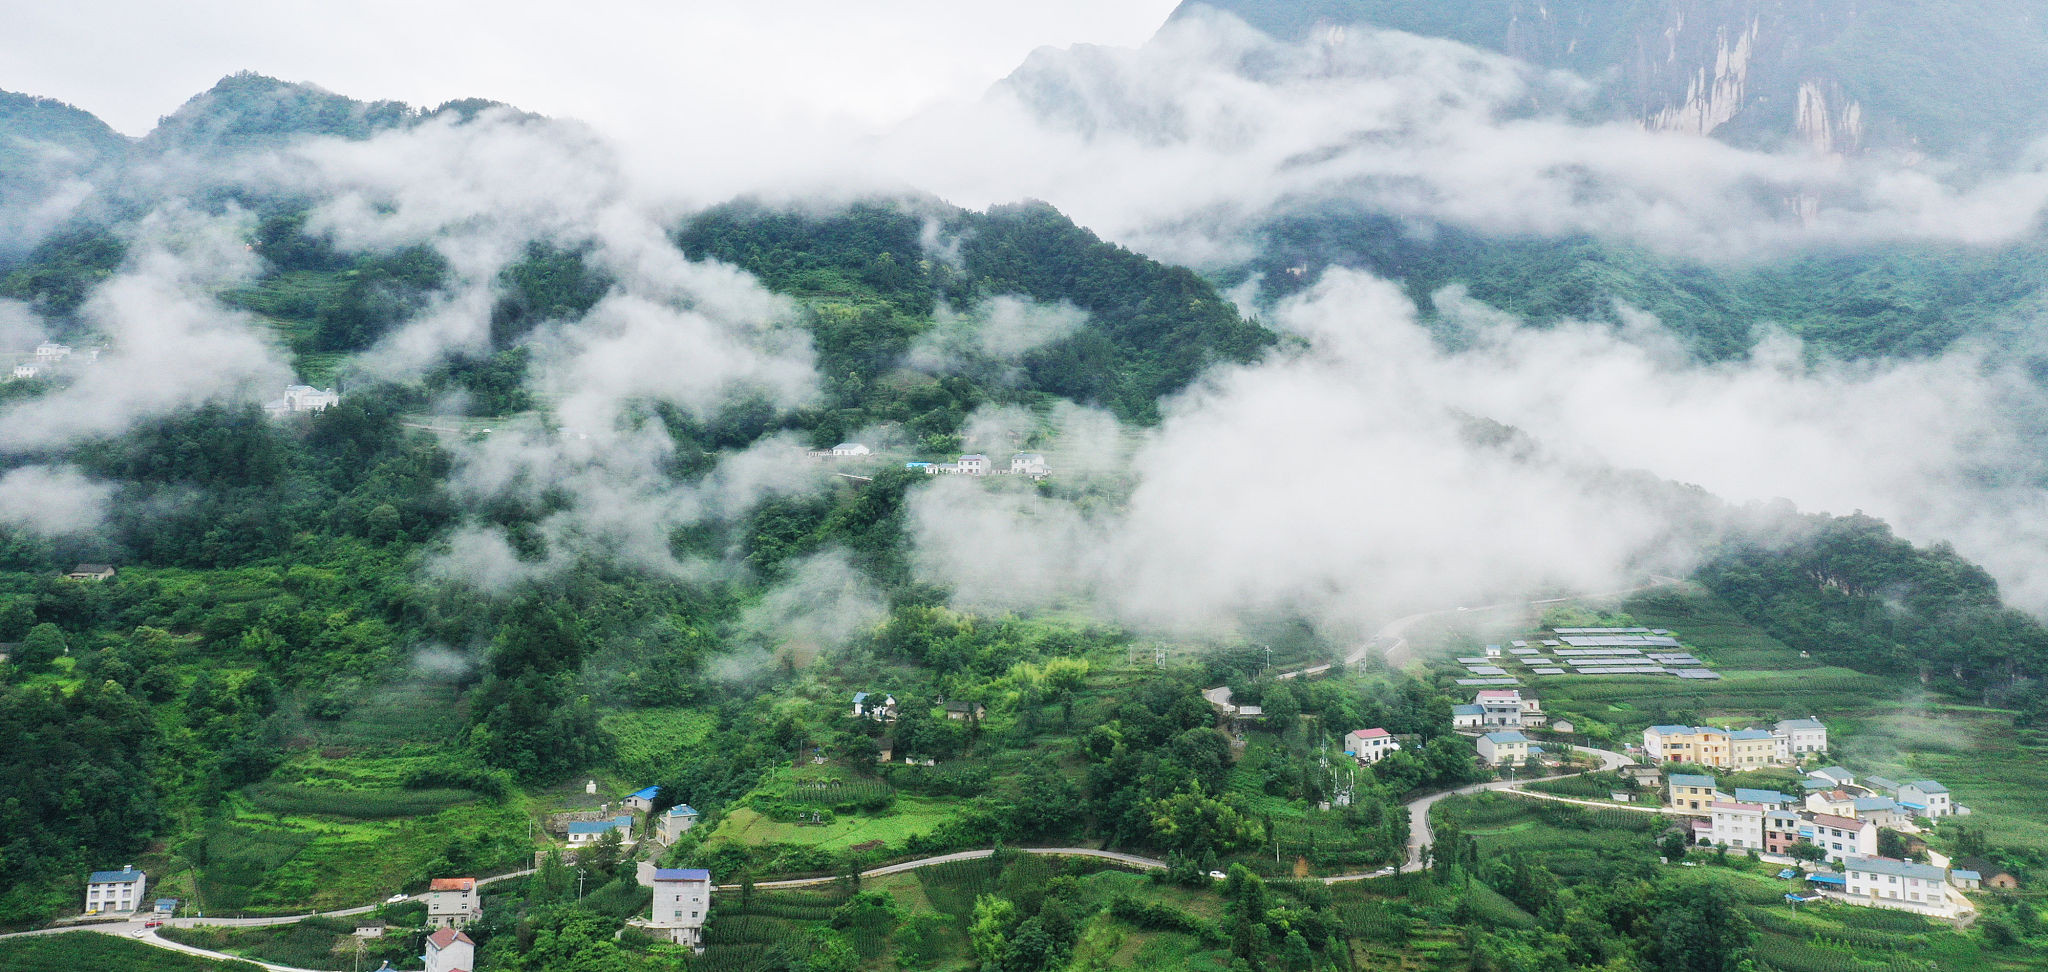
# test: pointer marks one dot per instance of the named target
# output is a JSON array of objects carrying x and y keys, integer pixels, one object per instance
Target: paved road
[
  {"x": 128, "y": 929},
  {"x": 1392, "y": 638},
  {"x": 1420, "y": 837}
]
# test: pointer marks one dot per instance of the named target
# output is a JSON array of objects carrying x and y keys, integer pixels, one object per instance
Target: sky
[{"x": 611, "y": 63}]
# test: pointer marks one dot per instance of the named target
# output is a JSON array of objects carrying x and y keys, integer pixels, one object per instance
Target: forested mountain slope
[{"x": 1846, "y": 301}]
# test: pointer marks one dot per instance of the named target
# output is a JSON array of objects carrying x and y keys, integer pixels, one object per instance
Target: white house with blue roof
[
  {"x": 1882, "y": 882},
  {"x": 1467, "y": 716},
  {"x": 588, "y": 832},
  {"x": 1880, "y": 810},
  {"x": 115, "y": 892},
  {"x": 1504, "y": 748},
  {"x": 642, "y": 801},
  {"x": 677, "y": 821},
  {"x": 1925, "y": 798}
]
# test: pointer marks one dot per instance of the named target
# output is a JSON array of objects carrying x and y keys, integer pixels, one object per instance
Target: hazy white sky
[{"x": 613, "y": 63}]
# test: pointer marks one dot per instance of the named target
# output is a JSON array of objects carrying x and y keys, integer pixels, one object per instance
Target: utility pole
[{"x": 579, "y": 887}]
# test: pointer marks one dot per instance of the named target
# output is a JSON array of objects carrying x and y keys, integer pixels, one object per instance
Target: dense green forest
[
  {"x": 1150, "y": 328},
  {"x": 1848, "y": 589}
]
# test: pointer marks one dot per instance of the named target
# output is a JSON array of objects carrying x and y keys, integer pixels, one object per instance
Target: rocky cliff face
[{"x": 1839, "y": 76}]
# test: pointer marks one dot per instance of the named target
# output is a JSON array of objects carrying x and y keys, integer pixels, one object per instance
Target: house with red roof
[
  {"x": 1368, "y": 746},
  {"x": 452, "y": 902},
  {"x": 449, "y": 950}
]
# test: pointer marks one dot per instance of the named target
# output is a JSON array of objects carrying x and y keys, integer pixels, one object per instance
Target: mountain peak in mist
[
  {"x": 247, "y": 110},
  {"x": 1839, "y": 76}
]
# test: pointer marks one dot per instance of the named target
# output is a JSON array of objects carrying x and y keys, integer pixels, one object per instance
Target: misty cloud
[
  {"x": 20, "y": 327},
  {"x": 171, "y": 344},
  {"x": 822, "y": 604},
  {"x": 1178, "y": 146},
  {"x": 615, "y": 496},
  {"x": 53, "y": 501},
  {"x": 1346, "y": 482},
  {"x": 1000, "y": 329}
]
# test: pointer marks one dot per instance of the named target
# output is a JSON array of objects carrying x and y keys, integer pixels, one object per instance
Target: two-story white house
[
  {"x": 115, "y": 892},
  {"x": 1029, "y": 464},
  {"x": 1797, "y": 738},
  {"x": 1508, "y": 708},
  {"x": 1738, "y": 825},
  {"x": 677, "y": 821},
  {"x": 1841, "y": 838},
  {"x": 845, "y": 450},
  {"x": 1880, "y": 810},
  {"x": 1369, "y": 746},
  {"x": 1504, "y": 747},
  {"x": 452, "y": 902},
  {"x": 1902, "y": 885},
  {"x": 973, "y": 465},
  {"x": 449, "y": 950},
  {"x": 1925, "y": 798}
]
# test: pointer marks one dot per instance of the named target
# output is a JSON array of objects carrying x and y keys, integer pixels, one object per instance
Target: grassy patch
[
  {"x": 910, "y": 816},
  {"x": 80, "y": 951},
  {"x": 316, "y": 943},
  {"x": 648, "y": 741},
  {"x": 256, "y": 862}
]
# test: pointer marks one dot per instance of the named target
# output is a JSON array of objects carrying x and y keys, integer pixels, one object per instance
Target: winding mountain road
[
  {"x": 1391, "y": 638},
  {"x": 137, "y": 929}
]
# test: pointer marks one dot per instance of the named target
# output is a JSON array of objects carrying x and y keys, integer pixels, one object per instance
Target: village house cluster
[
  {"x": 1788, "y": 743},
  {"x": 49, "y": 358},
  {"x": 1840, "y": 818},
  {"x": 1030, "y": 464},
  {"x": 975, "y": 464}
]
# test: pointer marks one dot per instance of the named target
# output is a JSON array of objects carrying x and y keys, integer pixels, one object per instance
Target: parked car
[{"x": 396, "y": 898}]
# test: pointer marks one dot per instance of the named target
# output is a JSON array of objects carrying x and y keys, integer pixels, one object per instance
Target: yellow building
[
  {"x": 1698, "y": 745},
  {"x": 1752, "y": 749}
]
